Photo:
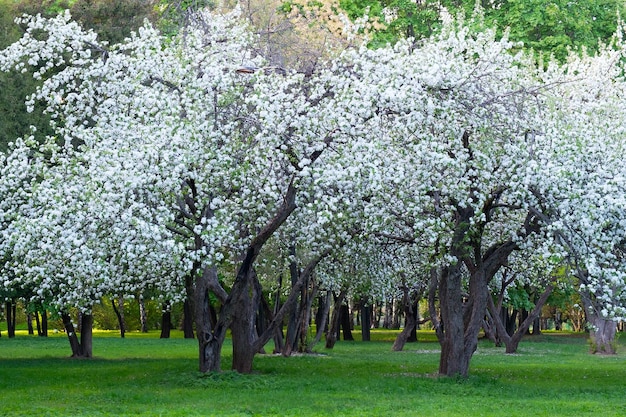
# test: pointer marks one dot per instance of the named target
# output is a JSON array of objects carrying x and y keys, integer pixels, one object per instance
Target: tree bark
[
  {"x": 321, "y": 322},
  {"x": 77, "y": 351},
  {"x": 119, "y": 312},
  {"x": 244, "y": 304},
  {"x": 166, "y": 323},
  {"x": 188, "y": 320},
  {"x": 80, "y": 348},
  {"x": 462, "y": 315},
  {"x": 43, "y": 331},
  {"x": 86, "y": 335},
  {"x": 333, "y": 329},
  {"x": 366, "y": 320},
  {"x": 346, "y": 323},
  {"x": 210, "y": 338},
  {"x": 29, "y": 323},
  {"x": 602, "y": 335},
  {"x": 293, "y": 317},
  {"x": 11, "y": 320},
  {"x": 143, "y": 314},
  {"x": 410, "y": 324}
]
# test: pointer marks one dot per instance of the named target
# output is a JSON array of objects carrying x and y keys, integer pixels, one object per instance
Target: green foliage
[
  {"x": 554, "y": 26},
  {"x": 401, "y": 18},
  {"x": 552, "y": 375},
  {"x": 546, "y": 26}
]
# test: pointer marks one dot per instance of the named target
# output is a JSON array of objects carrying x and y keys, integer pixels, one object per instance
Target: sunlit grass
[{"x": 552, "y": 375}]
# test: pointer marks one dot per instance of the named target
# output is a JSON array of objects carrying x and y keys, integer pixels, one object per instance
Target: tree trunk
[
  {"x": 366, "y": 320},
  {"x": 321, "y": 319},
  {"x": 77, "y": 351},
  {"x": 166, "y": 322},
  {"x": 29, "y": 323},
  {"x": 143, "y": 314},
  {"x": 388, "y": 314},
  {"x": 119, "y": 312},
  {"x": 188, "y": 319},
  {"x": 38, "y": 323},
  {"x": 333, "y": 329},
  {"x": 602, "y": 335},
  {"x": 292, "y": 320},
  {"x": 245, "y": 304},
  {"x": 397, "y": 315},
  {"x": 86, "y": 335},
  {"x": 210, "y": 338},
  {"x": 44, "y": 324},
  {"x": 11, "y": 320},
  {"x": 453, "y": 360},
  {"x": 82, "y": 348},
  {"x": 346, "y": 323},
  {"x": 411, "y": 319}
]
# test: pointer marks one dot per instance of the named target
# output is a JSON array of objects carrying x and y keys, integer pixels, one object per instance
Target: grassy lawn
[{"x": 552, "y": 375}]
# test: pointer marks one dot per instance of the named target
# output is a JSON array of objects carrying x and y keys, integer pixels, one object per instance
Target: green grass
[{"x": 552, "y": 375}]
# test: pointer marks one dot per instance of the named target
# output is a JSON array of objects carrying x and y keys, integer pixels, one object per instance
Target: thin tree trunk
[
  {"x": 333, "y": 329},
  {"x": 322, "y": 319},
  {"x": 292, "y": 321},
  {"x": 44, "y": 323},
  {"x": 366, "y": 320},
  {"x": 119, "y": 312},
  {"x": 11, "y": 321},
  {"x": 410, "y": 322},
  {"x": 143, "y": 314},
  {"x": 38, "y": 323},
  {"x": 29, "y": 323}
]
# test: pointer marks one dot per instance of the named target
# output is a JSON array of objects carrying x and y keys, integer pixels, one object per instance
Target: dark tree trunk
[
  {"x": 210, "y": 338},
  {"x": 11, "y": 320},
  {"x": 321, "y": 318},
  {"x": 410, "y": 324},
  {"x": 462, "y": 316},
  {"x": 404, "y": 335},
  {"x": 29, "y": 323},
  {"x": 309, "y": 292},
  {"x": 86, "y": 335},
  {"x": 397, "y": 315},
  {"x": 245, "y": 305},
  {"x": 82, "y": 348},
  {"x": 77, "y": 351},
  {"x": 293, "y": 318},
  {"x": 119, "y": 312},
  {"x": 188, "y": 319},
  {"x": 346, "y": 323},
  {"x": 44, "y": 324},
  {"x": 366, "y": 320},
  {"x": 166, "y": 322},
  {"x": 333, "y": 329},
  {"x": 537, "y": 326}
]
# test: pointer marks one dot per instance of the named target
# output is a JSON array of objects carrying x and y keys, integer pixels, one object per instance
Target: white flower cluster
[{"x": 171, "y": 158}]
